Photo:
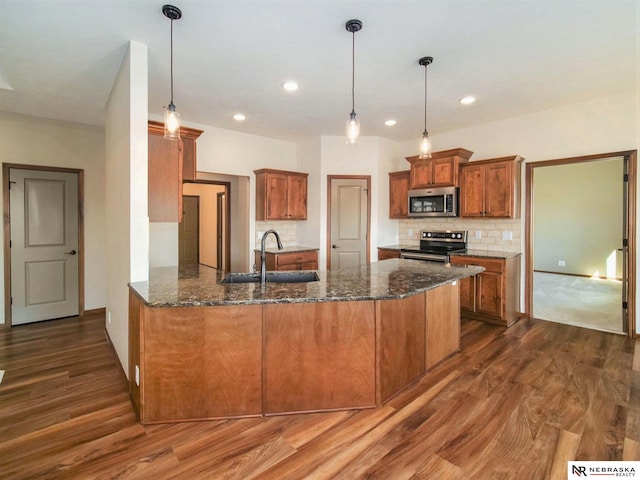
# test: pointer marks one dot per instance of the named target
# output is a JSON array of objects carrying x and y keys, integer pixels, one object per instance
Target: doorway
[
  {"x": 580, "y": 235},
  {"x": 212, "y": 218},
  {"x": 348, "y": 225},
  {"x": 44, "y": 254}
]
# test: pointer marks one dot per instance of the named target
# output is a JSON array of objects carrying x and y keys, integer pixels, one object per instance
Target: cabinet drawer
[
  {"x": 496, "y": 265},
  {"x": 292, "y": 259}
]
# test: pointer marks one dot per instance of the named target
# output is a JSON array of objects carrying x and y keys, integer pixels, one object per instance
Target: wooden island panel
[
  {"x": 319, "y": 356},
  {"x": 203, "y": 362},
  {"x": 401, "y": 343},
  {"x": 443, "y": 323}
]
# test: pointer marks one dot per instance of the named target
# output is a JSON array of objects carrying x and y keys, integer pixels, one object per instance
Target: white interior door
[
  {"x": 44, "y": 245},
  {"x": 349, "y": 222}
]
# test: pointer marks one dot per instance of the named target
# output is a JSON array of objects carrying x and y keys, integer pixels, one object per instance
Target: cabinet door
[
  {"x": 468, "y": 293},
  {"x": 384, "y": 254},
  {"x": 489, "y": 294},
  {"x": 277, "y": 197},
  {"x": 499, "y": 190},
  {"x": 398, "y": 194},
  {"x": 444, "y": 172},
  {"x": 188, "y": 159},
  {"x": 297, "y": 197},
  {"x": 165, "y": 179},
  {"x": 421, "y": 174},
  {"x": 472, "y": 190}
]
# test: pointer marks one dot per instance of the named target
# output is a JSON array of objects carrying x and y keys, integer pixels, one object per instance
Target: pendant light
[
  {"x": 353, "y": 124},
  {"x": 171, "y": 117},
  {"x": 425, "y": 142}
]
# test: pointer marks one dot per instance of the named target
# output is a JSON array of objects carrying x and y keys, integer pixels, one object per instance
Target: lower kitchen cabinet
[
  {"x": 385, "y": 253},
  {"x": 303, "y": 260},
  {"x": 492, "y": 296}
]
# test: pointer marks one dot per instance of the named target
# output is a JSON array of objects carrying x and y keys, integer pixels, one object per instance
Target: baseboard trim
[
  {"x": 123, "y": 376},
  {"x": 577, "y": 275},
  {"x": 95, "y": 311}
]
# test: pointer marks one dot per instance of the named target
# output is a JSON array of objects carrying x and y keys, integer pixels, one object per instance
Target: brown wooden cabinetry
[
  {"x": 441, "y": 170},
  {"x": 398, "y": 194},
  {"x": 281, "y": 195},
  {"x": 493, "y": 295},
  {"x": 385, "y": 253},
  {"x": 170, "y": 163},
  {"x": 491, "y": 188},
  {"x": 303, "y": 260}
]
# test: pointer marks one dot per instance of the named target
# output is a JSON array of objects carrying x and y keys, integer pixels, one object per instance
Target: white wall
[
  {"x": 127, "y": 223},
  {"x": 37, "y": 141}
]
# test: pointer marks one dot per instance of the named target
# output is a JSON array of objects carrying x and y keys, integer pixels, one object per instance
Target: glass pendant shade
[
  {"x": 171, "y": 123},
  {"x": 353, "y": 128},
  {"x": 425, "y": 146}
]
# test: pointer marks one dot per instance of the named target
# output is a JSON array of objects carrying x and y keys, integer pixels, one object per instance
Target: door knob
[
  {"x": 334, "y": 246},
  {"x": 72, "y": 252}
]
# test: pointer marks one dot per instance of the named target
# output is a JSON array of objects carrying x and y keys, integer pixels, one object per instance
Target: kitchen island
[{"x": 200, "y": 349}]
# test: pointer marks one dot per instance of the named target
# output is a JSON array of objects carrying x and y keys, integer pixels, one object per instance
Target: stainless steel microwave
[{"x": 433, "y": 202}]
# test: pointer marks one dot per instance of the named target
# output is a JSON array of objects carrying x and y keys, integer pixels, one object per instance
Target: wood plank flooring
[{"x": 516, "y": 403}]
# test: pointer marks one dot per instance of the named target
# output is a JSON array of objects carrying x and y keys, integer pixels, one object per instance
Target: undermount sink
[{"x": 272, "y": 277}]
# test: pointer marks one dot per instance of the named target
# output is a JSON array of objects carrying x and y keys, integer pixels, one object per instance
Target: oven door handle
[{"x": 424, "y": 256}]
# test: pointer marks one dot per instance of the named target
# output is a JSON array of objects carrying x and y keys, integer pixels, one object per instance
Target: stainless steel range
[{"x": 437, "y": 245}]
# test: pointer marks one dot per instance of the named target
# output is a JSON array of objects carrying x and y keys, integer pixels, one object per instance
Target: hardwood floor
[{"x": 516, "y": 403}]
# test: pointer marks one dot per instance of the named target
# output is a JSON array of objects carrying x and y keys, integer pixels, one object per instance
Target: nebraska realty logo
[{"x": 603, "y": 470}]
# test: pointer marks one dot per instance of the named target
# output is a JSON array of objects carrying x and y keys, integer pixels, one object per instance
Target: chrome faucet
[{"x": 263, "y": 256}]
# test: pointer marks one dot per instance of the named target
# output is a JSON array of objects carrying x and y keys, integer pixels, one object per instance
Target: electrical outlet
[
  {"x": 137, "y": 375},
  {"x": 562, "y": 263},
  {"x": 410, "y": 232},
  {"x": 478, "y": 234},
  {"x": 109, "y": 318},
  {"x": 260, "y": 234},
  {"x": 507, "y": 235}
]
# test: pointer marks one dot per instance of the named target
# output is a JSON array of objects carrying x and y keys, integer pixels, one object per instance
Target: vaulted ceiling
[{"x": 59, "y": 59}]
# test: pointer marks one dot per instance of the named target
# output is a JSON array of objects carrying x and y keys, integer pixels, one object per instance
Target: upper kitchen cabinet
[
  {"x": 281, "y": 195},
  {"x": 398, "y": 194},
  {"x": 170, "y": 163},
  {"x": 491, "y": 188},
  {"x": 441, "y": 170}
]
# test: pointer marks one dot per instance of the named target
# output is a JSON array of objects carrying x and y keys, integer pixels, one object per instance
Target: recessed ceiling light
[
  {"x": 239, "y": 117},
  {"x": 468, "y": 100},
  {"x": 390, "y": 123},
  {"x": 290, "y": 86}
]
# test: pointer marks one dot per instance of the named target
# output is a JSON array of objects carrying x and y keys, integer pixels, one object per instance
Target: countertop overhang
[{"x": 388, "y": 279}]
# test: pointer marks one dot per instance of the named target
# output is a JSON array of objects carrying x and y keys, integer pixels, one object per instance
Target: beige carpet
[{"x": 581, "y": 301}]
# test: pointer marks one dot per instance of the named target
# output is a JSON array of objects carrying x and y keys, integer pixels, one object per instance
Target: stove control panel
[{"x": 447, "y": 236}]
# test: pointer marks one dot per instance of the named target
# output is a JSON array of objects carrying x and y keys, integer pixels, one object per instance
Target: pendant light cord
[
  {"x": 425, "y": 98},
  {"x": 353, "y": 71},
  {"x": 171, "y": 62}
]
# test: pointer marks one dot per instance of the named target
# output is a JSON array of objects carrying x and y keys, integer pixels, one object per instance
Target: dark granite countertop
[
  {"x": 487, "y": 254},
  {"x": 397, "y": 247},
  {"x": 290, "y": 249},
  {"x": 395, "y": 278}
]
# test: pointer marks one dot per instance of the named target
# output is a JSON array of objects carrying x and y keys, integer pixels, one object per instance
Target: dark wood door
[{"x": 188, "y": 231}]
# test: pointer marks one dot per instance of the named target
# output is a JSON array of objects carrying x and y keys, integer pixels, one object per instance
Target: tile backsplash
[
  {"x": 495, "y": 235},
  {"x": 287, "y": 230}
]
